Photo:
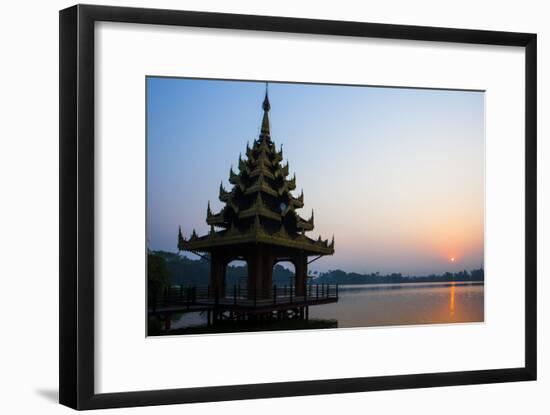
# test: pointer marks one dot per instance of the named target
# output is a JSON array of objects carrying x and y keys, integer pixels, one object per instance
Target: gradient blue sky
[{"x": 397, "y": 175}]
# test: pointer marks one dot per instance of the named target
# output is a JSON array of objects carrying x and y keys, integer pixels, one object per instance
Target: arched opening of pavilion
[
  {"x": 236, "y": 274},
  {"x": 284, "y": 276}
]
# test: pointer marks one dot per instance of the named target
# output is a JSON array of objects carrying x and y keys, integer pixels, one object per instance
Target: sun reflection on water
[{"x": 452, "y": 299}]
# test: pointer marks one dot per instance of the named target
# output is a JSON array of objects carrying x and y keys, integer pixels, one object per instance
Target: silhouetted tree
[{"x": 157, "y": 276}]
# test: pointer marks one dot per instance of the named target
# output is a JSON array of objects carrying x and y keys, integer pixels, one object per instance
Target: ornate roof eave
[
  {"x": 181, "y": 239},
  {"x": 288, "y": 186},
  {"x": 263, "y": 211},
  {"x": 291, "y": 183},
  {"x": 259, "y": 209},
  {"x": 261, "y": 187},
  {"x": 306, "y": 225},
  {"x": 250, "y": 154},
  {"x": 242, "y": 166},
  {"x": 282, "y": 171},
  {"x": 210, "y": 242},
  {"x": 297, "y": 202},
  {"x": 261, "y": 161},
  {"x": 235, "y": 179},
  {"x": 217, "y": 219},
  {"x": 262, "y": 170},
  {"x": 277, "y": 158},
  {"x": 224, "y": 195}
]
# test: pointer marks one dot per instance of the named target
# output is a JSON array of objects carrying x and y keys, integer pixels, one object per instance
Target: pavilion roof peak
[
  {"x": 266, "y": 107},
  {"x": 260, "y": 205}
]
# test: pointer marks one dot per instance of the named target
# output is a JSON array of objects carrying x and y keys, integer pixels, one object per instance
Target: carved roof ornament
[
  {"x": 181, "y": 240},
  {"x": 224, "y": 195}
]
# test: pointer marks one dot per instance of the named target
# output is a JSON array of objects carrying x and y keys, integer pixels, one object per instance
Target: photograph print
[{"x": 286, "y": 206}]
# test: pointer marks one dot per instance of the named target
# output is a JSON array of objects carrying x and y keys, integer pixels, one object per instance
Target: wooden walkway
[
  {"x": 243, "y": 305},
  {"x": 236, "y": 300}
]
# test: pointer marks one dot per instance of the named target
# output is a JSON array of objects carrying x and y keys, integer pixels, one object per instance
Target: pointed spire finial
[{"x": 266, "y": 106}]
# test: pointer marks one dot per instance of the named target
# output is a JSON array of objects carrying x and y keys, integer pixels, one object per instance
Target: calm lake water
[
  {"x": 398, "y": 304},
  {"x": 389, "y": 304}
]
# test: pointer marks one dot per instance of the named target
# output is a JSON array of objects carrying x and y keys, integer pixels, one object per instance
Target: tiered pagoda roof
[{"x": 260, "y": 207}]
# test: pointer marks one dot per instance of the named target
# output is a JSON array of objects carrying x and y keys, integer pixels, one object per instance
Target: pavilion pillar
[
  {"x": 300, "y": 264},
  {"x": 267, "y": 272},
  {"x": 217, "y": 274},
  {"x": 254, "y": 273},
  {"x": 260, "y": 272}
]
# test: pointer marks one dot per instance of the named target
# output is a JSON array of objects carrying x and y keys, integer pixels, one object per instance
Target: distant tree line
[
  {"x": 341, "y": 277},
  {"x": 167, "y": 268}
]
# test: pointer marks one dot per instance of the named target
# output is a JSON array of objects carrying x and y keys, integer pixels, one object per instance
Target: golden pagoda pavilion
[{"x": 259, "y": 222}]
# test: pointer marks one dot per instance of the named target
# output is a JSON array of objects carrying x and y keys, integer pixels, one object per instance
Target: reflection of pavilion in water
[{"x": 259, "y": 224}]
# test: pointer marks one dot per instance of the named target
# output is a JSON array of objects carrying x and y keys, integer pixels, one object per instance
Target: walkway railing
[{"x": 237, "y": 295}]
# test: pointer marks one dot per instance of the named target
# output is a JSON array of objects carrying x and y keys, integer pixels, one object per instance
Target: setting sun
[{"x": 452, "y": 259}]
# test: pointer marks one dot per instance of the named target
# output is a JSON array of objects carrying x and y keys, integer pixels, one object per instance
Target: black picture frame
[{"x": 76, "y": 279}]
